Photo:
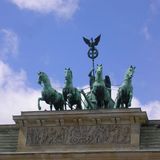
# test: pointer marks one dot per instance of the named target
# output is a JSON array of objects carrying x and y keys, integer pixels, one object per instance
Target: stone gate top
[{"x": 72, "y": 130}]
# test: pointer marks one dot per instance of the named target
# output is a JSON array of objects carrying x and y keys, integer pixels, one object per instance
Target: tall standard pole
[{"x": 92, "y": 54}]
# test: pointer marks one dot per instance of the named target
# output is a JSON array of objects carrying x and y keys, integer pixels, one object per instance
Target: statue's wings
[
  {"x": 97, "y": 39},
  {"x": 87, "y": 41}
]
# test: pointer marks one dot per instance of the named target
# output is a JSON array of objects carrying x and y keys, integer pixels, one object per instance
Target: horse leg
[
  {"x": 102, "y": 104},
  {"x": 61, "y": 107},
  {"x": 130, "y": 99},
  {"x": 106, "y": 104},
  {"x": 79, "y": 106},
  {"x": 98, "y": 104},
  {"x": 40, "y": 99},
  {"x": 65, "y": 106},
  {"x": 126, "y": 105},
  {"x": 117, "y": 103},
  {"x": 70, "y": 105},
  {"x": 51, "y": 106},
  {"x": 122, "y": 105}
]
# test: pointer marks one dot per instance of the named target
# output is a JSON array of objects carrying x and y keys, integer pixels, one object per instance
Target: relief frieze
[{"x": 81, "y": 135}]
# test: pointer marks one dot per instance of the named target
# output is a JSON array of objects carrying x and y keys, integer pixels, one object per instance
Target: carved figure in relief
[
  {"x": 125, "y": 92},
  {"x": 49, "y": 94},
  {"x": 99, "y": 134}
]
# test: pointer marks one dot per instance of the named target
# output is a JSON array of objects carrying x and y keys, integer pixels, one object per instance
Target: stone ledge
[
  {"x": 103, "y": 155},
  {"x": 58, "y": 118},
  {"x": 84, "y": 151},
  {"x": 8, "y": 126}
]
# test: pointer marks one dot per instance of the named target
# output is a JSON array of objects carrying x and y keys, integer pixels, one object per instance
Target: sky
[{"x": 46, "y": 35}]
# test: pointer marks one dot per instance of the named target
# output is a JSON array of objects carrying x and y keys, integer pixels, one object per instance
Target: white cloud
[
  {"x": 15, "y": 95},
  {"x": 153, "y": 109},
  {"x": 155, "y": 6},
  {"x": 61, "y": 8},
  {"x": 9, "y": 43},
  {"x": 146, "y": 32}
]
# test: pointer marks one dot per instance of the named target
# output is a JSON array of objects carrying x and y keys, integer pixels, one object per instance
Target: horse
[
  {"x": 90, "y": 98},
  {"x": 125, "y": 92},
  {"x": 49, "y": 95},
  {"x": 99, "y": 89},
  {"x": 71, "y": 94}
]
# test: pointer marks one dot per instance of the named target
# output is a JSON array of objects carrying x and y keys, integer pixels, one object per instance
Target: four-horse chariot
[{"x": 99, "y": 95}]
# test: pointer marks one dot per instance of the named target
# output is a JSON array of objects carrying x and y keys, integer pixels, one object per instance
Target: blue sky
[{"x": 46, "y": 35}]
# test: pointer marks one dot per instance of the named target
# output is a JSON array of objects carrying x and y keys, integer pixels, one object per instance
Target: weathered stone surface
[
  {"x": 150, "y": 135},
  {"x": 8, "y": 138},
  {"x": 77, "y": 135},
  {"x": 103, "y": 155},
  {"x": 101, "y": 134},
  {"x": 76, "y": 130}
]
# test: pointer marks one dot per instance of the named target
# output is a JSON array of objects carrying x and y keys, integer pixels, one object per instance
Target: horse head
[
  {"x": 68, "y": 74},
  {"x": 99, "y": 72},
  {"x": 130, "y": 72},
  {"x": 42, "y": 77}
]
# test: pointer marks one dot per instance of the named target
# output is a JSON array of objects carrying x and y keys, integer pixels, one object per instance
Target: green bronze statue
[
  {"x": 71, "y": 94},
  {"x": 107, "y": 82},
  {"x": 91, "y": 78},
  {"x": 49, "y": 95},
  {"x": 90, "y": 100},
  {"x": 125, "y": 92},
  {"x": 100, "y": 94},
  {"x": 100, "y": 90},
  {"x": 92, "y": 52}
]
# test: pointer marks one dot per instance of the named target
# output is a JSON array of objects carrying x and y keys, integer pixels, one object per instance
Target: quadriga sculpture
[
  {"x": 71, "y": 94},
  {"x": 49, "y": 95},
  {"x": 125, "y": 92}
]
